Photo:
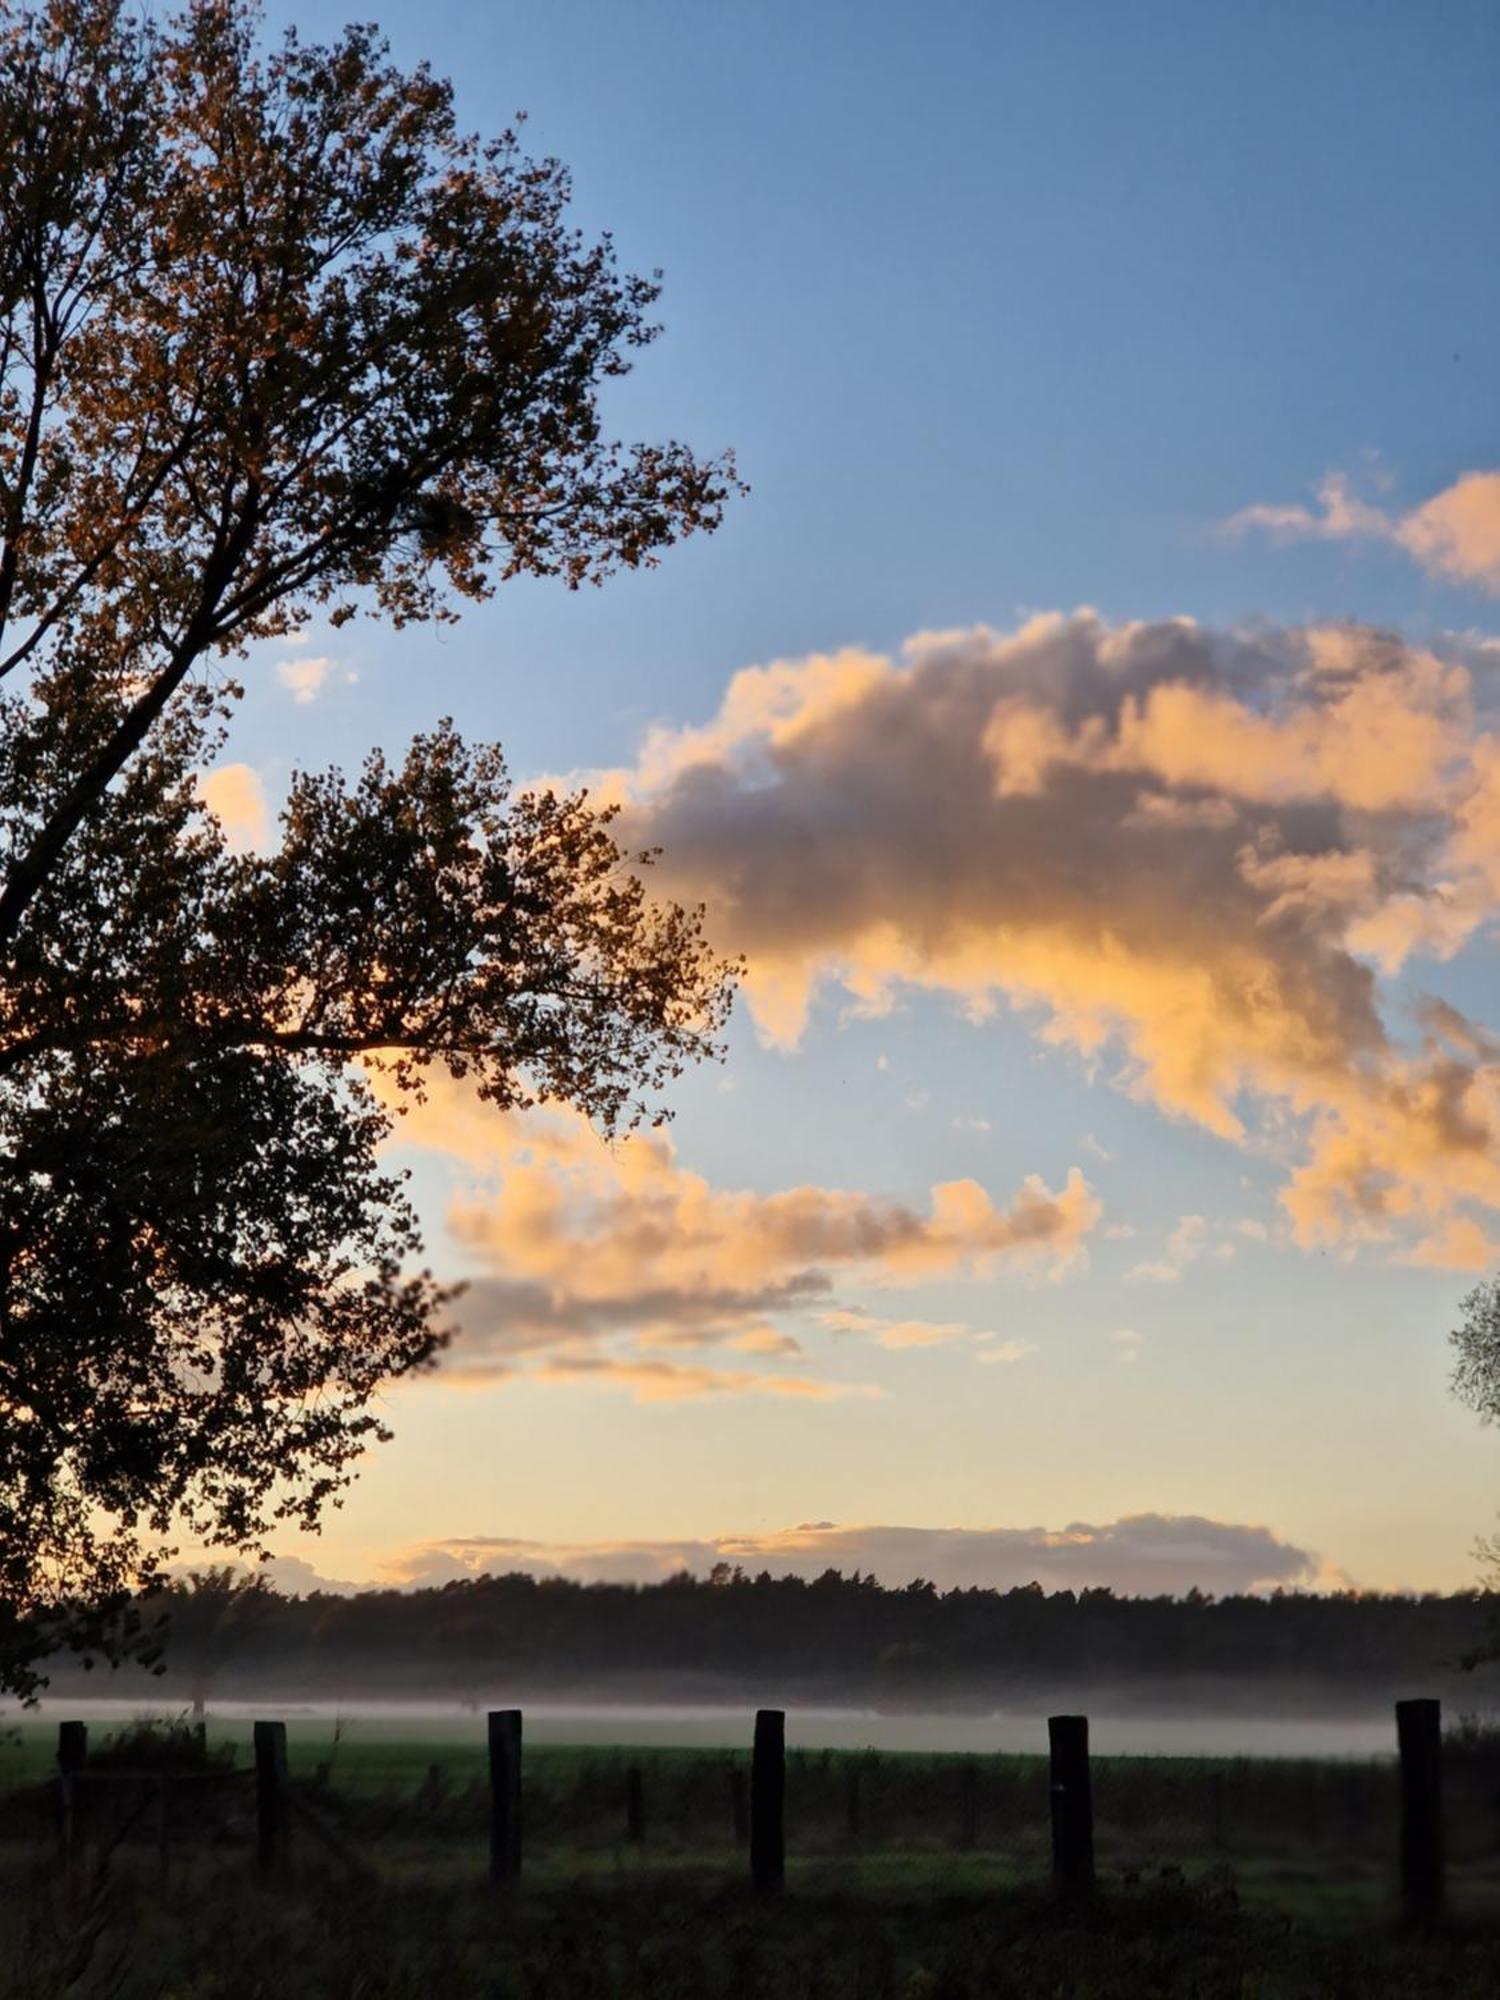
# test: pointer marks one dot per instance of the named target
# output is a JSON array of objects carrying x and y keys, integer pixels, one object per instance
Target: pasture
[{"x": 907, "y": 1875}]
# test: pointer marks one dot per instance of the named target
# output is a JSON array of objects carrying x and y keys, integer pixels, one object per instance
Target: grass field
[{"x": 908, "y": 1875}]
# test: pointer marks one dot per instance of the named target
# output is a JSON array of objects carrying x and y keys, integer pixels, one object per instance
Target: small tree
[{"x": 273, "y": 337}]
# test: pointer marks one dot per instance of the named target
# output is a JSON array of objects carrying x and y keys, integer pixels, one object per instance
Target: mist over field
[{"x": 687, "y": 1660}]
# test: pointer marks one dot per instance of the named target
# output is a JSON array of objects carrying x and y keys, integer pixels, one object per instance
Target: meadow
[{"x": 907, "y": 1875}]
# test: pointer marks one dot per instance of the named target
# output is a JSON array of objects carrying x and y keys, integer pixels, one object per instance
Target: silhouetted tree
[
  {"x": 274, "y": 337},
  {"x": 836, "y": 1639}
]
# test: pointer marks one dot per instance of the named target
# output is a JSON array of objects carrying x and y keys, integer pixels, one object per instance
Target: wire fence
[{"x": 1423, "y": 1826}]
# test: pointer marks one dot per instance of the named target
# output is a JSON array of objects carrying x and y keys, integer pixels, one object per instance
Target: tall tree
[{"x": 274, "y": 337}]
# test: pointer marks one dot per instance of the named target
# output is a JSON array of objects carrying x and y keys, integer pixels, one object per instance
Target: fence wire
[{"x": 1286, "y": 1832}]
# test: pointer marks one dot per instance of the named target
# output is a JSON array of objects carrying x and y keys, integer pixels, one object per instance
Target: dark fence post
[
  {"x": 505, "y": 1794},
  {"x": 1072, "y": 1805},
  {"x": 270, "y": 1795},
  {"x": 1419, "y": 1737},
  {"x": 635, "y": 1804},
  {"x": 72, "y": 1755},
  {"x": 768, "y": 1801}
]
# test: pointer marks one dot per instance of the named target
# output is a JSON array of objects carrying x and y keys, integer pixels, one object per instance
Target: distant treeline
[{"x": 835, "y": 1638}]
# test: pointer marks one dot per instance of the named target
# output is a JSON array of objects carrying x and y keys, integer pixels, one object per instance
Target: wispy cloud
[
  {"x": 1187, "y": 1242},
  {"x": 670, "y": 1382},
  {"x": 304, "y": 676},
  {"x": 579, "y": 1245},
  {"x": 1005, "y": 1352},
  {"x": 1454, "y": 535}
]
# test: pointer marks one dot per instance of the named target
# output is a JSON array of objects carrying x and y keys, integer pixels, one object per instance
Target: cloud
[
  {"x": 1004, "y": 1352},
  {"x": 1195, "y": 855},
  {"x": 1127, "y": 1344},
  {"x": 578, "y": 1244},
  {"x": 293, "y": 1576},
  {"x": 1153, "y": 1271},
  {"x": 923, "y": 1333},
  {"x": 1455, "y": 535},
  {"x": 1188, "y": 1242},
  {"x": 304, "y": 678},
  {"x": 236, "y": 797},
  {"x": 668, "y": 1382},
  {"x": 1138, "y": 1555}
]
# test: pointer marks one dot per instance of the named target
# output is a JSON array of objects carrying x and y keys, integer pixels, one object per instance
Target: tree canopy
[
  {"x": 275, "y": 338},
  {"x": 825, "y": 1640}
]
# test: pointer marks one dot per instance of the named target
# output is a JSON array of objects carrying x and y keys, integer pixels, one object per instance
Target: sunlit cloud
[
  {"x": 923, "y": 1333},
  {"x": 578, "y": 1244},
  {"x": 670, "y": 1382},
  {"x": 236, "y": 796},
  {"x": 1191, "y": 857},
  {"x": 1454, "y": 535},
  {"x": 305, "y": 676}
]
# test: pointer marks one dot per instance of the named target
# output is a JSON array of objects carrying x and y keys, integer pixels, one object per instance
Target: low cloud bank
[{"x": 1138, "y": 1555}]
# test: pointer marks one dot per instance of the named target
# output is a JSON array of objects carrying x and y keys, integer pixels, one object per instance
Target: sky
[{"x": 1088, "y": 728}]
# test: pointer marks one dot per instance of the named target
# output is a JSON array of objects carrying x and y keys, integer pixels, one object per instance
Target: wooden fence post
[
  {"x": 270, "y": 1796},
  {"x": 768, "y": 1802},
  {"x": 1072, "y": 1805},
  {"x": 1419, "y": 1738},
  {"x": 505, "y": 1794},
  {"x": 72, "y": 1755}
]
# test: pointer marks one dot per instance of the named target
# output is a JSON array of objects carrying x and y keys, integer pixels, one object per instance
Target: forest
[{"x": 835, "y": 1639}]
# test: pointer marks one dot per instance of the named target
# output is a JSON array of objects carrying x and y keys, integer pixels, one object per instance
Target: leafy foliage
[{"x": 274, "y": 336}]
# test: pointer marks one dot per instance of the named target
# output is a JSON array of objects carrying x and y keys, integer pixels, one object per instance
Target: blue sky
[{"x": 1004, "y": 310}]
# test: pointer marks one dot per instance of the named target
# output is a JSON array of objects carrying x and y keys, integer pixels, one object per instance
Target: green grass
[{"x": 1213, "y": 1871}]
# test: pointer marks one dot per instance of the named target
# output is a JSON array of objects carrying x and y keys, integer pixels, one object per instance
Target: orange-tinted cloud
[
  {"x": 1199, "y": 850},
  {"x": 579, "y": 1244},
  {"x": 235, "y": 796},
  {"x": 1454, "y": 535},
  {"x": 670, "y": 1382}
]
